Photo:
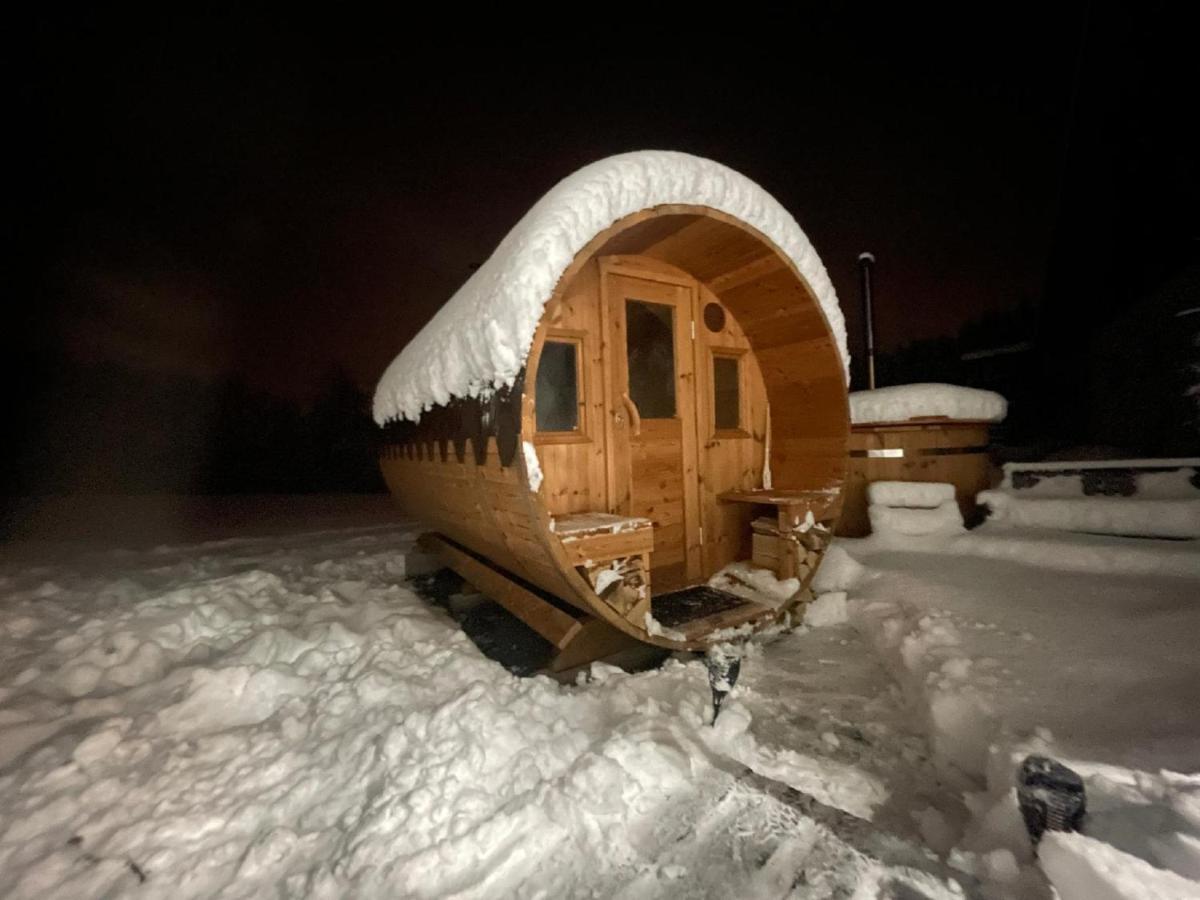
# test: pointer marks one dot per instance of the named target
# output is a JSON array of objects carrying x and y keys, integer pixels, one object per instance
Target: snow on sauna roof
[
  {"x": 915, "y": 401},
  {"x": 479, "y": 339}
]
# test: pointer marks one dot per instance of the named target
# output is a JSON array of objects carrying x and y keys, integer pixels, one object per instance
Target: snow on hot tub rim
[
  {"x": 480, "y": 338},
  {"x": 926, "y": 400}
]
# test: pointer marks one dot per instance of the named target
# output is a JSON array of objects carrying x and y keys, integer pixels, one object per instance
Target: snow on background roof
[
  {"x": 479, "y": 340},
  {"x": 913, "y": 401}
]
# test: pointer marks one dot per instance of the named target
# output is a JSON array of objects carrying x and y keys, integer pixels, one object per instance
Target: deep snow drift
[
  {"x": 1148, "y": 498},
  {"x": 1010, "y": 642},
  {"x": 283, "y": 717},
  {"x": 262, "y": 717}
]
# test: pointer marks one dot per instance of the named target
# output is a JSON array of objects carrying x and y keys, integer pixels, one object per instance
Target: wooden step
[{"x": 578, "y": 638}]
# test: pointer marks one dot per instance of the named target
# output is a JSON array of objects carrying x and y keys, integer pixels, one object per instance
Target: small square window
[{"x": 727, "y": 394}]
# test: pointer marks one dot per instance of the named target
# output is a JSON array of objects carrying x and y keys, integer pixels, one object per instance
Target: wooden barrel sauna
[
  {"x": 685, "y": 377},
  {"x": 922, "y": 449}
]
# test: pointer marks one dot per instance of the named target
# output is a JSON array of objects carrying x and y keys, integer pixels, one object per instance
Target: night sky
[{"x": 268, "y": 199}]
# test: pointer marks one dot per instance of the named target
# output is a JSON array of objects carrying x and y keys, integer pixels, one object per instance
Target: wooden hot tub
[{"x": 926, "y": 449}]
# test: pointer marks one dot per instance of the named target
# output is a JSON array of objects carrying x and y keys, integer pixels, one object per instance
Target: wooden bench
[
  {"x": 614, "y": 554},
  {"x": 801, "y": 529}
]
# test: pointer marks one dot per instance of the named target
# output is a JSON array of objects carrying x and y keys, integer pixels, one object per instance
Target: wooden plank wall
[
  {"x": 574, "y": 466},
  {"x": 801, "y": 367},
  {"x": 575, "y": 477},
  {"x": 933, "y": 451},
  {"x": 728, "y": 462},
  {"x": 486, "y": 508}
]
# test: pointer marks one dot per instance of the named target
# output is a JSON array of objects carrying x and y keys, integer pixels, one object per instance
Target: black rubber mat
[{"x": 690, "y": 604}]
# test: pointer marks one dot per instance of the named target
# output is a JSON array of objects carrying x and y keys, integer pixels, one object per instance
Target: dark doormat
[{"x": 689, "y": 604}]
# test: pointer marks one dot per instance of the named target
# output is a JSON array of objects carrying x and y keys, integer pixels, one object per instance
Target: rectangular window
[
  {"x": 557, "y": 390},
  {"x": 727, "y": 394},
  {"x": 650, "y": 349}
]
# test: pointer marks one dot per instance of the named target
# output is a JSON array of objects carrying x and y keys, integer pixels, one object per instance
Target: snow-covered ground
[
  {"x": 285, "y": 717},
  {"x": 256, "y": 716},
  {"x": 1014, "y": 641}
]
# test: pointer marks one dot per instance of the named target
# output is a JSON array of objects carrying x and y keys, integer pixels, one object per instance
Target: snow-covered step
[
  {"x": 1170, "y": 518},
  {"x": 913, "y": 508},
  {"x": 1136, "y": 497},
  {"x": 910, "y": 494},
  {"x": 1146, "y": 479}
]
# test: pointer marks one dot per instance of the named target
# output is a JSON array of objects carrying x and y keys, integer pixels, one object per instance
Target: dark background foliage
[{"x": 225, "y": 225}]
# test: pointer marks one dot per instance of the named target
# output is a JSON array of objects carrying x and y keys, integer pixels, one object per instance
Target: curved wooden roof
[{"x": 481, "y": 338}]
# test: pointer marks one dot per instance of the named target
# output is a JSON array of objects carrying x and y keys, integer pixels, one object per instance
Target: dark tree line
[
  {"x": 110, "y": 429},
  {"x": 1139, "y": 371}
]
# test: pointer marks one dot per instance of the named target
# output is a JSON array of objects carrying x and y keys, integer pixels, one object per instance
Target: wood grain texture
[
  {"x": 549, "y": 621},
  {"x": 656, "y": 463},
  {"x": 789, "y": 369},
  {"x": 934, "y": 450}
]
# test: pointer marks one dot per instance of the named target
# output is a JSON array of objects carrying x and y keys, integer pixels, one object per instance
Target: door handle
[{"x": 635, "y": 420}]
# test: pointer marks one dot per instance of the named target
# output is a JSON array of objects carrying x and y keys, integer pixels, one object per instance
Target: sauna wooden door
[{"x": 652, "y": 411}]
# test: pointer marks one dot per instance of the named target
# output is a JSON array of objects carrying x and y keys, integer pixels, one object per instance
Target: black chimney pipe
[{"x": 866, "y": 260}]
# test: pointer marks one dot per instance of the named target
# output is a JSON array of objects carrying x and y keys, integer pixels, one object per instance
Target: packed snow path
[
  {"x": 1014, "y": 641},
  {"x": 1083, "y": 666},
  {"x": 267, "y": 717}
]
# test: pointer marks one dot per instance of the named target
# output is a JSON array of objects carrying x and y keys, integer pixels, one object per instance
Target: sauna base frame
[{"x": 578, "y": 639}]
